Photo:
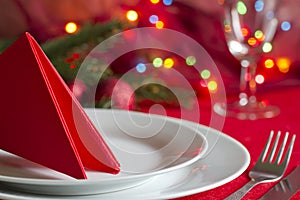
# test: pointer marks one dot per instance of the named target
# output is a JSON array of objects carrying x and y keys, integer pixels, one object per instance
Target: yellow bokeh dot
[
  {"x": 154, "y": 1},
  {"x": 212, "y": 86},
  {"x": 168, "y": 63},
  {"x": 252, "y": 41},
  {"x": 132, "y": 15},
  {"x": 269, "y": 63},
  {"x": 283, "y": 64},
  {"x": 71, "y": 27},
  {"x": 159, "y": 24}
]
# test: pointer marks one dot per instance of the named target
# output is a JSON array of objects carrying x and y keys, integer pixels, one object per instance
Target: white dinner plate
[
  {"x": 227, "y": 160},
  {"x": 145, "y": 145}
]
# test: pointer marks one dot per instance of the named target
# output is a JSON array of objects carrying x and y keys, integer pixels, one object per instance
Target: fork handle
[{"x": 242, "y": 191}]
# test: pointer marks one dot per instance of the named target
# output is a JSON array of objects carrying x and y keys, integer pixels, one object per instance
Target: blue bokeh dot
[
  {"x": 153, "y": 19},
  {"x": 168, "y": 2},
  {"x": 259, "y": 5},
  {"x": 141, "y": 67},
  {"x": 285, "y": 26}
]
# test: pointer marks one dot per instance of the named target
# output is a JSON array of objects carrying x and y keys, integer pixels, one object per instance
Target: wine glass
[{"x": 248, "y": 25}]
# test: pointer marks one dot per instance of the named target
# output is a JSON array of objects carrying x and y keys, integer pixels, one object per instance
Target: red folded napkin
[{"x": 38, "y": 115}]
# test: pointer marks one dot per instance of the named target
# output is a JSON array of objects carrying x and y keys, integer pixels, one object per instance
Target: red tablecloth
[{"x": 253, "y": 135}]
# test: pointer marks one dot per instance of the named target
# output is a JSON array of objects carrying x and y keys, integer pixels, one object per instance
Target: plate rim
[
  {"x": 17, "y": 195},
  {"x": 78, "y": 182}
]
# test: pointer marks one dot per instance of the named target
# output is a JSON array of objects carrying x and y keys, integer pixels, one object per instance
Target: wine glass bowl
[{"x": 249, "y": 27}]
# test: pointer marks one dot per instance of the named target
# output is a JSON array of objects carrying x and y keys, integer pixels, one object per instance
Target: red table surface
[{"x": 253, "y": 134}]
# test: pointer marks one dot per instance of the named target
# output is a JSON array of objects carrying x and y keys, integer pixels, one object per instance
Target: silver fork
[{"x": 267, "y": 168}]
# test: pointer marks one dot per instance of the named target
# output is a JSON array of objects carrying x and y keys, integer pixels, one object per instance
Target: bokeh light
[
  {"x": 245, "y": 32},
  {"x": 159, "y": 24},
  {"x": 252, "y": 42},
  {"x": 212, "y": 86},
  {"x": 168, "y": 63},
  {"x": 157, "y": 62},
  {"x": 167, "y": 2},
  {"x": 267, "y": 47},
  {"x": 71, "y": 27},
  {"x": 190, "y": 60},
  {"x": 260, "y": 79},
  {"x": 259, "y": 35},
  {"x": 140, "y": 67},
  {"x": 259, "y": 5},
  {"x": 245, "y": 63},
  {"x": 154, "y": 1},
  {"x": 241, "y": 8},
  {"x": 269, "y": 63},
  {"x": 153, "y": 19},
  {"x": 285, "y": 26},
  {"x": 227, "y": 28},
  {"x": 132, "y": 15},
  {"x": 205, "y": 74},
  {"x": 283, "y": 64}
]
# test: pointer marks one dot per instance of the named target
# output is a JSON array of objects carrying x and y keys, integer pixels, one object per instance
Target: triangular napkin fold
[{"x": 40, "y": 115}]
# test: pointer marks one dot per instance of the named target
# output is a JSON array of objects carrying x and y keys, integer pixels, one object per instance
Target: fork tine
[
  {"x": 271, "y": 156},
  {"x": 282, "y": 148},
  {"x": 282, "y": 187},
  {"x": 266, "y": 148},
  {"x": 289, "y": 151}
]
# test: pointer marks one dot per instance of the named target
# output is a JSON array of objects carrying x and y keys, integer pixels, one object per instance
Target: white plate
[
  {"x": 227, "y": 160},
  {"x": 144, "y": 144}
]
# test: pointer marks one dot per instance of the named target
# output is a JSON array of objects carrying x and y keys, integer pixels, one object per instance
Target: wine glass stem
[{"x": 247, "y": 82}]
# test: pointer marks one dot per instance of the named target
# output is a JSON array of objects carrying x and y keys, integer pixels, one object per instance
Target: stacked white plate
[{"x": 160, "y": 157}]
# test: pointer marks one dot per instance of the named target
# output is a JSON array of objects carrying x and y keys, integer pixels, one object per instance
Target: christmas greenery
[{"x": 67, "y": 53}]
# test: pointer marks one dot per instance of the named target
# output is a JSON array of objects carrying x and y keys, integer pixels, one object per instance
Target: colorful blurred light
[
  {"x": 259, "y": 5},
  {"x": 167, "y": 2},
  {"x": 252, "y": 42},
  {"x": 259, "y": 35},
  {"x": 245, "y": 63},
  {"x": 283, "y": 64},
  {"x": 285, "y": 26},
  {"x": 140, "y": 67},
  {"x": 227, "y": 28},
  {"x": 269, "y": 63},
  {"x": 157, "y": 62},
  {"x": 153, "y": 19},
  {"x": 159, "y": 24},
  {"x": 132, "y": 15},
  {"x": 154, "y": 1},
  {"x": 190, "y": 60},
  {"x": 241, "y": 8},
  {"x": 260, "y": 79},
  {"x": 71, "y": 27},
  {"x": 252, "y": 84},
  {"x": 267, "y": 47},
  {"x": 168, "y": 63},
  {"x": 212, "y": 86},
  {"x": 205, "y": 74},
  {"x": 245, "y": 32}
]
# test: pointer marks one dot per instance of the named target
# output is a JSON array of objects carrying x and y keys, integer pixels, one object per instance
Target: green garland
[
  {"x": 59, "y": 50},
  {"x": 67, "y": 52}
]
